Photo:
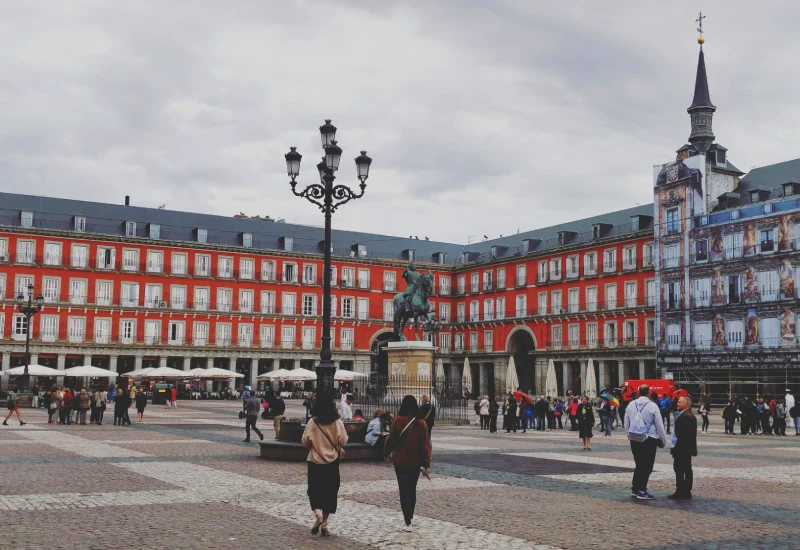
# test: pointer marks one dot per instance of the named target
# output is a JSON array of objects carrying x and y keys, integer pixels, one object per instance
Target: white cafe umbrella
[
  {"x": 139, "y": 373},
  {"x": 347, "y": 375},
  {"x": 466, "y": 377},
  {"x": 213, "y": 373},
  {"x": 298, "y": 375},
  {"x": 88, "y": 371},
  {"x": 590, "y": 383},
  {"x": 34, "y": 370},
  {"x": 440, "y": 371},
  {"x": 273, "y": 374},
  {"x": 512, "y": 381},
  {"x": 168, "y": 372},
  {"x": 551, "y": 382}
]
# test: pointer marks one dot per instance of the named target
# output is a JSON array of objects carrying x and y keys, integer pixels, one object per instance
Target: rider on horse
[{"x": 412, "y": 283}]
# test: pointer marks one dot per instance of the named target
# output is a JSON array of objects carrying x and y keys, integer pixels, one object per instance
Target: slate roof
[
  {"x": 770, "y": 178},
  {"x": 109, "y": 219}
]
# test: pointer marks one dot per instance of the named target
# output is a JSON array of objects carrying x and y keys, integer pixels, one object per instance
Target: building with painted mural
[{"x": 727, "y": 247}]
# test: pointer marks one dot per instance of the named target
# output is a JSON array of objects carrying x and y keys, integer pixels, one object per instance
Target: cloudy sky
[{"x": 481, "y": 117}]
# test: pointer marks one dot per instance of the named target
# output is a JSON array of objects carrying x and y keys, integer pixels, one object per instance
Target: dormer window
[
  {"x": 130, "y": 229},
  {"x": 498, "y": 250},
  {"x": 79, "y": 223},
  {"x": 154, "y": 230},
  {"x": 409, "y": 254},
  {"x": 595, "y": 231},
  {"x": 26, "y": 218},
  {"x": 529, "y": 245},
  {"x": 247, "y": 240},
  {"x": 362, "y": 249},
  {"x": 788, "y": 189},
  {"x": 720, "y": 157},
  {"x": 440, "y": 257},
  {"x": 287, "y": 243},
  {"x": 564, "y": 237},
  {"x": 201, "y": 235}
]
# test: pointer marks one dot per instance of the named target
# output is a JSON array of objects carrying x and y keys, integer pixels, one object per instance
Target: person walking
[
  {"x": 51, "y": 403},
  {"x": 12, "y": 404},
  {"x": 121, "y": 409},
  {"x": 789, "y": 405},
  {"x": 173, "y": 395},
  {"x": 645, "y": 431},
  {"x": 427, "y": 412},
  {"x": 83, "y": 406},
  {"x": 483, "y": 411},
  {"x": 251, "y": 410},
  {"x": 703, "y": 414},
  {"x": 585, "y": 423},
  {"x": 324, "y": 437},
  {"x": 102, "y": 399},
  {"x": 35, "y": 397},
  {"x": 409, "y": 450},
  {"x": 141, "y": 403},
  {"x": 494, "y": 408},
  {"x": 684, "y": 447},
  {"x": 665, "y": 405}
]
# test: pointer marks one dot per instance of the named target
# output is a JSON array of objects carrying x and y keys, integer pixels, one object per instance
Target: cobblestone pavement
[{"x": 184, "y": 479}]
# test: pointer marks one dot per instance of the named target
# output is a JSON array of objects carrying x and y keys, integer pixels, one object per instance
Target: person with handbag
[
  {"x": 324, "y": 437},
  {"x": 409, "y": 450}
]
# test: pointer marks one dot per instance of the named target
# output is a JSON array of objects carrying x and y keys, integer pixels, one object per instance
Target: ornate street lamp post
[
  {"x": 328, "y": 197},
  {"x": 29, "y": 310}
]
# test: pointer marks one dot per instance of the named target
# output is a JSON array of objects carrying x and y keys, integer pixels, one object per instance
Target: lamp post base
[{"x": 325, "y": 371}]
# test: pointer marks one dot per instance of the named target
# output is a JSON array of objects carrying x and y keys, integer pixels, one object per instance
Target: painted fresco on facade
[
  {"x": 718, "y": 332},
  {"x": 716, "y": 244},
  {"x": 750, "y": 238},
  {"x": 785, "y": 232},
  {"x": 751, "y": 328},
  {"x": 788, "y": 327},
  {"x": 787, "y": 280},
  {"x": 717, "y": 287},
  {"x": 750, "y": 292}
]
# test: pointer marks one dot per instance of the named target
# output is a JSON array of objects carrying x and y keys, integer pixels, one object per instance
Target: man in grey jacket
[
  {"x": 644, "y": 452},
  {"x": 251, "y": 409}
]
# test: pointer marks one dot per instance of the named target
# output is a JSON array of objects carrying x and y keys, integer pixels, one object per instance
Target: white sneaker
[{"x": 408, "y": 528}]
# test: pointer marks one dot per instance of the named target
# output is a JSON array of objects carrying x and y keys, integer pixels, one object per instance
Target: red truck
[{"x": 660, "y": 386}]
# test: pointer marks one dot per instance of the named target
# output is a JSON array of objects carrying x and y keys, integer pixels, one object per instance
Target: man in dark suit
[{"x": 684, "y": 447}]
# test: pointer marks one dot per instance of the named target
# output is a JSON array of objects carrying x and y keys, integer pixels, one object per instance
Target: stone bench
[{"x": 276, "y": 449}]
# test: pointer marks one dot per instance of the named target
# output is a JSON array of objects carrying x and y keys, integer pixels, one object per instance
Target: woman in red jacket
[{"x": 410, "y": 451}]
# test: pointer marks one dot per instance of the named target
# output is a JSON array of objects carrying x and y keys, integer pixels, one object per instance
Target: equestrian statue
[{"x": 412, "y": 303}]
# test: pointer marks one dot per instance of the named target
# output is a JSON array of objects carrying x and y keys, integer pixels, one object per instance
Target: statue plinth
[{"x": 410, "y": 369}]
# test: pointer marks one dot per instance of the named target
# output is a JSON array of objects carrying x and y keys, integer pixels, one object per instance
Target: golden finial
[{"x": 699, "y": 21}]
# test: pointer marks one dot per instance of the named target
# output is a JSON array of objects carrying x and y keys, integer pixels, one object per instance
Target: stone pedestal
[{"x": 410, "y": 369}]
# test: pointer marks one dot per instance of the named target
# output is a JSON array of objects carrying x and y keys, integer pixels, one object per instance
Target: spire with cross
[{"x": 699, "y": 21}]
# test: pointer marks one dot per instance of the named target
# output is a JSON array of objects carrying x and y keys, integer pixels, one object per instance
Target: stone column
[
  {"x": 162, "y": 362},
  {"x": 253, "y": 373},
  {"x": 34, "y": 359},
  {"x": 642, "y": 370},
  {"x": 623, "y": 372},
  {"x": 565, "y": 372},
  {"x": 6, "y": 364},
  {"x": 137, "y": 362},
  {"x": 583, "y": 375},
  {"x": 187, "y": 363},
  {"x": 61, "y": 364},
  {"x": 482, "y": 382},
  {"x": 296, "y": 363},
  {"x": 112, "y": 363},
  {"x": 604, "y": 377},
  {"x": 232, "y": 368},
  {"x": 500, "y": 369},
  {"x": 539, "y": 377}
]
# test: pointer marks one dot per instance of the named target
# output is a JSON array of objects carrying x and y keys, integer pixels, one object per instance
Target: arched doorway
[
  {"x": 379, "y": 360},
  {"x": 520, "y": 343}
]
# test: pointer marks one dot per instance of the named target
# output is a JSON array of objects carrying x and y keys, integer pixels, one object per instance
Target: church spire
[{"x": 701, "y": 111}]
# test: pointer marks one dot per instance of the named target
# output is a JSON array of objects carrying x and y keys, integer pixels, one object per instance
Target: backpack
[{"x": 637, "y": 430}]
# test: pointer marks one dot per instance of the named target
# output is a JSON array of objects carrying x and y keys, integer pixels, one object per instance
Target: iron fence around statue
[{"x": 452, "y": 403}]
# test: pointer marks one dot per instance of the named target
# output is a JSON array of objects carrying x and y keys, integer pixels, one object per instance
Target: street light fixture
[
  {"x": 328, "y": 197},
  {"x": 29, "y": 310}
]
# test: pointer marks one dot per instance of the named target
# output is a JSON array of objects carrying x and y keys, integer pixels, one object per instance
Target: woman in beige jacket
[{"x": 324, "y": 437}]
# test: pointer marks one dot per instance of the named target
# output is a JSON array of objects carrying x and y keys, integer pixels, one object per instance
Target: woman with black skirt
[
  {"x": 585, "y": 422},
  {"x": 324, "y": 437}
]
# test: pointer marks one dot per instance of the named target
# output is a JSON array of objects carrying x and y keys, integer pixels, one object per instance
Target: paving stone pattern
[{"x": 184, "y": 479}]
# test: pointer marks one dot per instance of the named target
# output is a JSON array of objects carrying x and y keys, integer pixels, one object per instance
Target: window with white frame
[
  {"x": 348, "y": 308},
  {"x": 389, "y": 281},
  {"x": 461, "y": 312},
  {"x": 3, "y": 250},
  {"x": 363, "y": 308},
  {"x": 202, "y": 265},
  {"x": 631, "y": 297},
  {"x": 444, "y": 312},
  {"x": 26, "y": 218},
  {"x": 673, "y": 220},
  {"x": 176, "y": 333},
  {"x": 590, "y": 263},
  {"x": 308, "y": 337},
  {"x": 51, "y": 289},
  {"x": 79, "y": 224},
  {"x": 650, "y": 331},
  {"x": 127, "y": 331},
  {"x": 473, "y": 341},
  {"x": 129, "y": 296},
  {"x": 501, "y": 278},
  {"x": 246, "y": 299},
  {"x": 26, "y": 250},
  {"x": 388, "y": 310},
  {"x": 702, "y": 292},
  {"x": 767, "y": 241},
  {"x": 611, "y": 296},
  {"x": 23, "y": 285},
  {"x": 591, "y": 335},
  {"x": 288, "y": 303},
  {"x": 348, "y": 277},
  {"x": 543, "y": 271},
  {"x": 202, "y": 298},
  {"x": 155, "y": 230},
  {"x": 732, "y": 246},
  {"x": 80, "y": 256},
  {"x": 610, "y": 333},
  {"x": 557, "y": 338},
  {"x": 671, "y": 256},
  {"x": 76, "y": 329},
  {"x": 77, "y": 292},
  {"x": 444, "y": 341},
  {"x": 104, "y": 293},
  {"x": 573, "y": 300},
  {"x": 130, "y": 229},
  {"x": 106, "y": 257},
  {"x": 267, "y": 302},
  {"x": 521, "y": 304},
  {"x": 225, "y": 267},
  {"x": 309, "y": 305},
  {"x": 459, "y": 342},
  {"x": 267, "y": 336},
  {"x": 462, "y": 285},
  {"x": 629, "y": 332},
  {"x": 309, "y": 274},
  {"x": 542, "y": 304},
  {"x": 574, "y": 336},
  {"x": 768, "y": 285},
  {"x": 735, "y": 330},
  {"x": 177, "y": 297},
  {"x": 521, "y": 280},
  {"x": 130, "y": 259},
  {"x": 247, "y": 268},
  {"x": 650, "y": 292},
  {"x": 48, "y": 326},
  {"x": 347, "y": 339},
  {"x": 591, "y": 298},
  {"x": 363, "y": 278},
  {"x": 224, "y": 299},
  {"x": 701, "y": 250},
  {"x": 152, "y": 332},
  {"x": 500, "y": 309},
  {"x": 52, "y": 253},
  {"x": 647, "y": 254},
  {"x": 610, "y": 260},
  {"x": 247, "y": 240},
  {"x": 629, "y": 257},
  {"x": 487, "y": 280},
  {"x": 289, "y": 272},
  {"x": 673, "y": 333},
  {"x": 245, "y": 339},
  {"x": 488, "y": 310},
  {"x": 267, "y": 270},
  {"x": 444, "y": 286},
  {"x": 701, "y": 333},
  {"x": 555, "y": 302},
  {"x": 152, "y": 295},
  {"x": 200, "y": 334},
  {"x": 769, "y": 332},
  {"x": 202, "y": 235},
  {"x": 223, "y": 334},
  {"x": 673, "y": 296},
  {"x": 474, "y": 311},
  {"x": 155, "y": 261},
  {"x": 473, "y": 282},
  {"x": 572, "y": 267},
  {"x": 555, "y": 268},
  {"x": 333, "y": 306}
]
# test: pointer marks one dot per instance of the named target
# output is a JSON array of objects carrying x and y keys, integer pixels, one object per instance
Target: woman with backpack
[
  {"x": 324, "y": 437},
  {"x": 408, "y": 448}
]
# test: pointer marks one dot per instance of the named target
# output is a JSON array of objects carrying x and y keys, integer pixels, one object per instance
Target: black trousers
[
  {"x": 644, "y": 455},
  {"x": 251, "y": 422},
  {"x": 705, "y": 423},
  {"x": 484, "y": 421},
  {"x": 684, "y": 478},
  {"x": 407, "y": 482},
  {"x": 492, "y": 423},
  {"x": 540, "y": 416},
  {"x": 666, "y": 418},
  {"x": 512, "y": 422},
  {"x": 729, "y": 423}
]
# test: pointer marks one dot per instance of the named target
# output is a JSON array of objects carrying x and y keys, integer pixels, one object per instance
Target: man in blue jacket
[{"x": 665, "y": 404}]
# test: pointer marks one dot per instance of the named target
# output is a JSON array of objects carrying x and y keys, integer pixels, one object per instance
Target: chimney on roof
[{"x": 127, "y": 200}]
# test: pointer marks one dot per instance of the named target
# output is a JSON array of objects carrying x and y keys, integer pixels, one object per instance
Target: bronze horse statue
[{"x": 419, "y": 306}]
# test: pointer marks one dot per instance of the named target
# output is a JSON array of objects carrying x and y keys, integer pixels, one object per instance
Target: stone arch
[
  {"x": 377, "y": 334},
  {"x": 518, "y": 328}
]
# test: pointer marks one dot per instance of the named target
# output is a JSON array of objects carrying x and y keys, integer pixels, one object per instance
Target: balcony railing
[{"x": 389, "y": 286}]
